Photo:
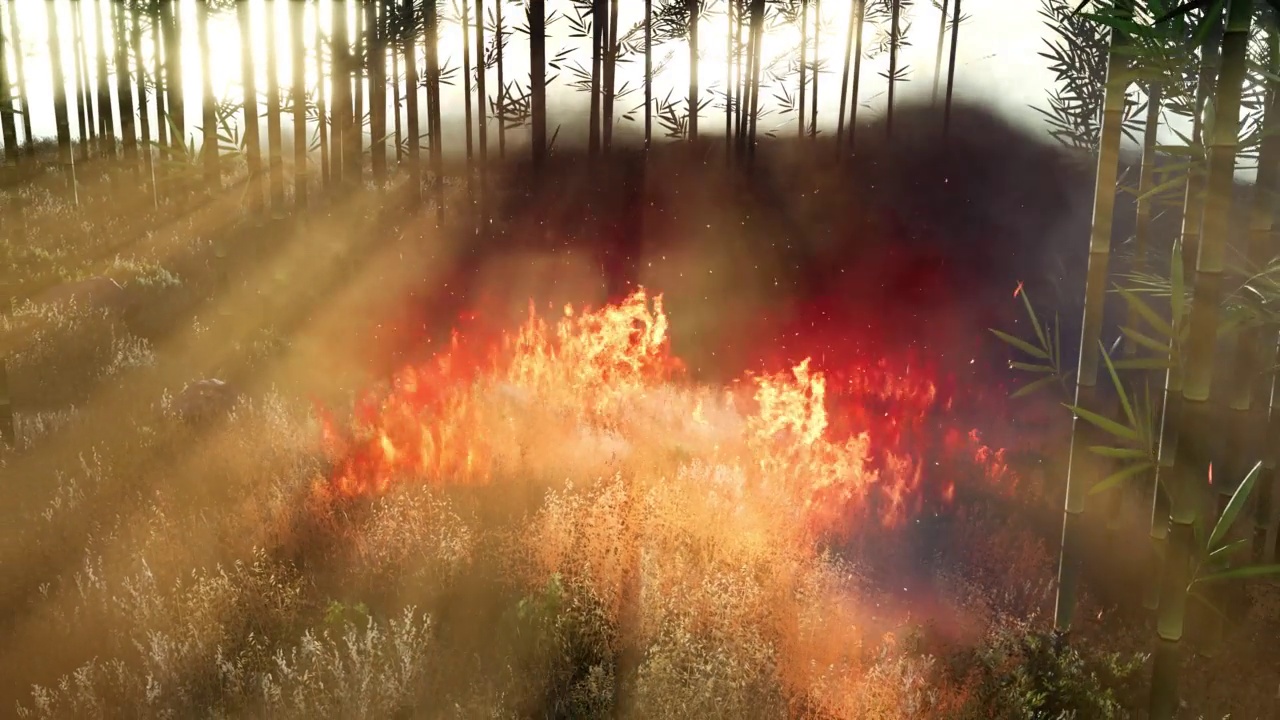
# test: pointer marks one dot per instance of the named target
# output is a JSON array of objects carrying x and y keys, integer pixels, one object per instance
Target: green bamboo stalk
[
  {"x": 1171, "y": 417},
  {"x": 1079, "y": 465},
  {"x": 1195, "y": 443}
]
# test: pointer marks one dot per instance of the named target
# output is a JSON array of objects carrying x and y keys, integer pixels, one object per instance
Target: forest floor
[{"x": 165, "y": 550}]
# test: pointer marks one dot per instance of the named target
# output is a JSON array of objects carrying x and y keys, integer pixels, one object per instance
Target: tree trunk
[
  {"x": 353, "y": 151},
  {"x": 1082, "y": 466},
  {"x": 209, "y": 105},
  {"x": 433, "y": 107},
  {"x": 140, "y": 77},
  {"x": 84, "y": 108},
  {"x": 173, "y": 73},
  {"x": 158, "y": 78},
  {"x": 105, "y": 112},
  {"x": 299, "y": 92},
  {"x": 377, "y": 63},
  {"x": 482, "y": 96},
  {"x": 1250, "y": 399},
  {"x": 411, "y": 104},
  {"x": 951, "y": 69},
  {"x": 19, "y": 65},
  {"x": 857, "y": 76},
  {"x": 1171, "y": 417},
  {"x": 61, "y": 118},
  {"x": 252, "y": 139},
  {"x": 1142, "y": 243},
  {"x": 538, "y": 78},
  {"x": 124, "y": 91},
  {"x": 695, "y": 14},
  {"x": 648, "y": 73},
  {"x": 844, "y": 77},
  {"x": 757, "y": 36},
  {"x": 339, "y": 90},
  {"x": 466, "y": 85},
  {"x": 817, "y": 49},
  {"x": 8, "y": 127},
  {"x": 731, "y": 8},
  {"x": 393, "y": 21},
  {"x": 598, "y": 9},
  {"x": 323, "y": 115},
  {"x": 610, "y": 74},
  {"x": 1190, "y": 470},
  {"x": 500, "y": 41},
  {"x": 275, "y": 140},
  {"x": 895, "y": 31},
  {"x": 804, "y": 54},
  {"x": 937, "y": 61}
]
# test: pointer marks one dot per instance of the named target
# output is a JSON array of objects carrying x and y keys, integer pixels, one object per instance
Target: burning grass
[{"x": 542, "y": 522}]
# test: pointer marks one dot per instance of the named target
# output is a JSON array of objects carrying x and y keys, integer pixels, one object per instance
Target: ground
[{"x": 244, "y": 550}]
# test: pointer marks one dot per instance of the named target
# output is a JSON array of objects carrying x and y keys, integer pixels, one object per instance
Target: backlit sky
[{"x": 997, "y": 60}]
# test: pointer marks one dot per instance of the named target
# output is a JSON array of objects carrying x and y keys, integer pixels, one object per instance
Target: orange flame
[{"x": 832, "y": 450}]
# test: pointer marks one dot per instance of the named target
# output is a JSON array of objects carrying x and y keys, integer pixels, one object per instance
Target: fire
[{"x": 864, "y": 446}]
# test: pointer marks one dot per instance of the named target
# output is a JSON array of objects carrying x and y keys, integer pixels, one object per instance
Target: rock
[{"x": 204, "y": 400}]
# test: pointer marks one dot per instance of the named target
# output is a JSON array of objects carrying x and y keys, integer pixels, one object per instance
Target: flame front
[{"x": 869, "y": 446}]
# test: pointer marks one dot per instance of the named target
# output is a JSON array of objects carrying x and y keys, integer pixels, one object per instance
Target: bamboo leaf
[
  {"x": 1234, "y": 506},
  {"x": 1230, "y": 548},
  {"x": 1106, "y": 424},
  {"x": 1022, "y": 345},
  {"x": 1032, "y": 387},
  {"x": 1118, "y": 477},
  {"x": 1240, "y": 573},
  {"x": 1119, "y": 453},
  {"x": 1146, "y": 341},
  {"x": 1029, "y": 367},
  {"x": 1119, "y": 386},
  {"x": 1155, "y": 321}
]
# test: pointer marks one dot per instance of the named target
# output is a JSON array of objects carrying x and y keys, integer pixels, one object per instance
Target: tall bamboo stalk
[
  {"x": 1251, "y": 385},
  {"x": 377, "y": 63},
  {"x": 323, "y": 116},
  {"x": 20, "y": 68},
  {"x": 61, "y": 117},
  {"x": 248, "y": 80},
  {"x": 413, "y": 130},
  {"x": 500, "y": 41},
  {"x": 951, "y": 68},
  {"x": 844, "y": 77},
  {"x": 804, "y": 56},
  {"x": 466, "y": 83},
  {"x": 537, "y": 18},
  {"x": 84, "y": 109},
  {"x": 857, "y": 76},
  {"x": 432, "y": 23},
  {"x": 598, "y": 10},
  {"x": 8, "y": 127},
  {"x": 610, "y": 73},
  {"x": 209, "y": 105},
  {"x": 106, "y": 118},
  {"x": 1194, "y": 451},
  {"x": 1081, "y": 466},
  {"x": 817, "y": 53},
  {"x": 695, "y": 14},
  {"x": 124, "y": 91},
  {"x": 297, "y": 48},
  {"x": 275, "y": 140},
  {"x": 937, "y": 60},
  {"x": 1171, "y": 416},
  {"x": 648, "y": 73},
  {"x": 140, "y": 78}
]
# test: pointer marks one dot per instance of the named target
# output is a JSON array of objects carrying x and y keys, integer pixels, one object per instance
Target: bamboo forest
[{"x": 742, "y": 359}]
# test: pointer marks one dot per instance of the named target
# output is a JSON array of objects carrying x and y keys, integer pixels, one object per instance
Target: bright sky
[{"x": 997, "y": 60}]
